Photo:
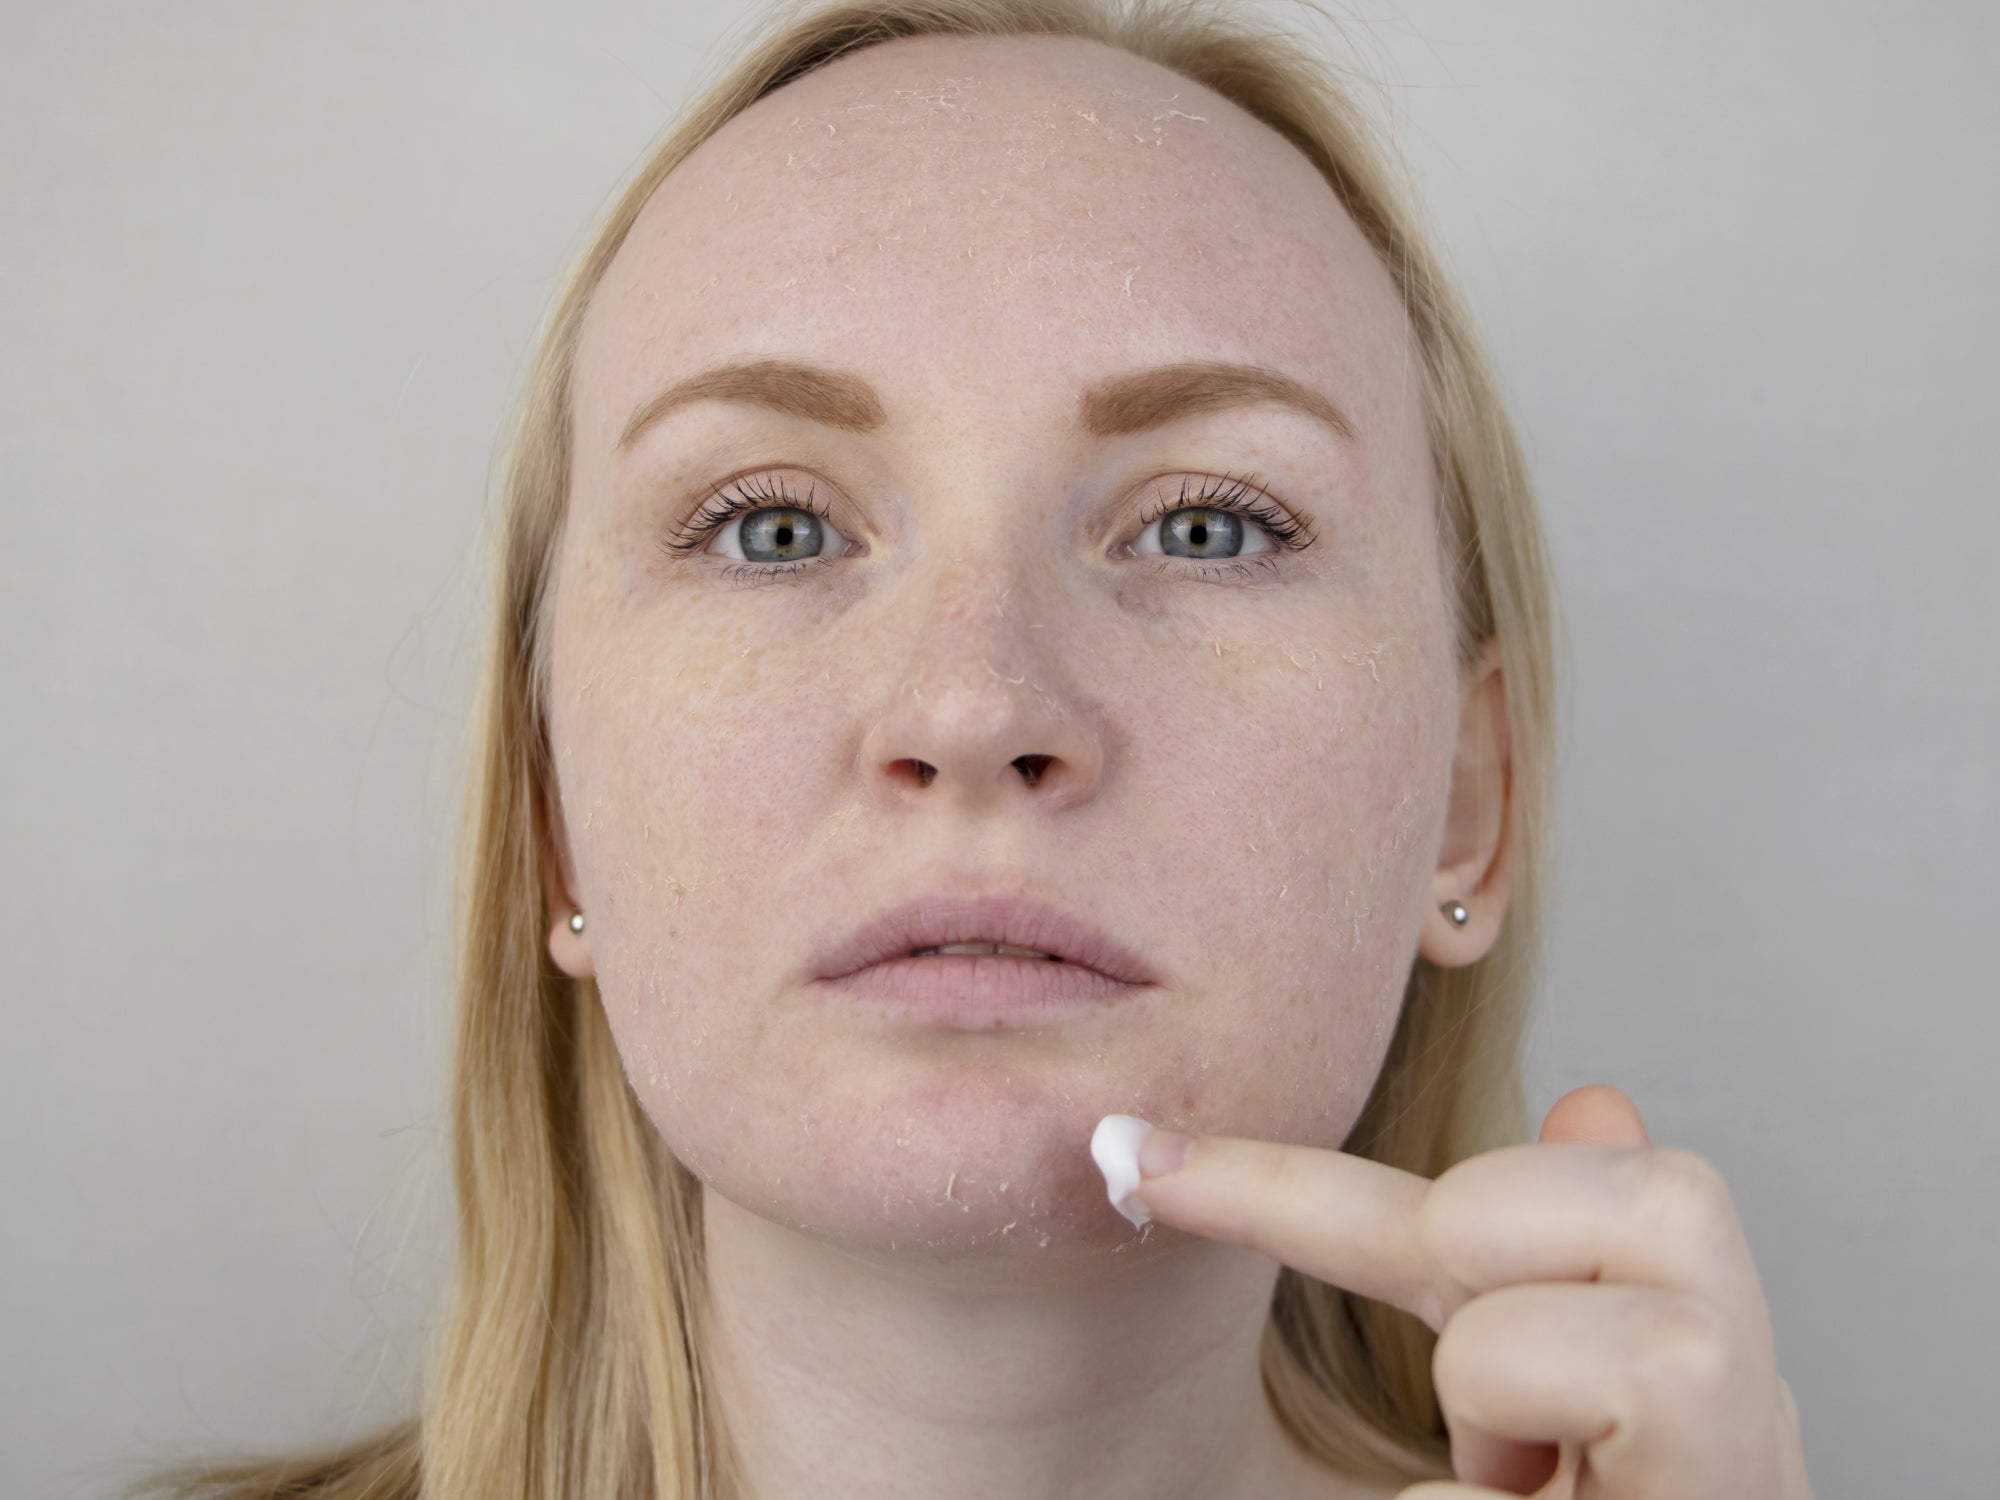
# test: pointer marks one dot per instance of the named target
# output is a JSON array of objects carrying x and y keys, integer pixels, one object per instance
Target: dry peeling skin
[{"x": 1250, "y": 778}]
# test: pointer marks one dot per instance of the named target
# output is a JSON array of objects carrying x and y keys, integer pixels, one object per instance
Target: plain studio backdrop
[{"x": 272, "y": 275}]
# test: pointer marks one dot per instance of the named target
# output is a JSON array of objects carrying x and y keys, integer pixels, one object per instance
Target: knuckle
[
  {"x": 1447, "y": 1204},
  {"x": 1682, "y": 1197},
  {"x": 1285, "y": 1165},
  {"x": 1442, "y": 1291},
  {"x": 1687, "y": 1352},
  {"x": 1282, "y": 1173}
]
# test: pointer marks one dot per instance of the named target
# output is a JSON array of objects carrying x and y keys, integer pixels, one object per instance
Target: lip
[
  {"x": 942, "y": 918},
  {"x": 983, "y": 992}
]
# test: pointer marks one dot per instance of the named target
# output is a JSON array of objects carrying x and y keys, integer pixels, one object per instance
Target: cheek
[
  {"x": 686, "y": 807},
  {"x": 684, "y": 788},
  {"x": 1291, "y": 863}
]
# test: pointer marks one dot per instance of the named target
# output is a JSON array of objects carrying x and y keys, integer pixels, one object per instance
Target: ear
[
  {"x": 570, "y": 950},
  {"x": 1472, "y": 867}
]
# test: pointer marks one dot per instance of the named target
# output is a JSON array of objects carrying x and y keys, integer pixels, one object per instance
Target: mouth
[
  {"x": 948, "y": 924},
  {"x": 982, "y": 962}
]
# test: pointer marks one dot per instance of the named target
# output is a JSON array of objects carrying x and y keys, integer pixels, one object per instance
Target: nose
[{"x": 986, "y": 710}]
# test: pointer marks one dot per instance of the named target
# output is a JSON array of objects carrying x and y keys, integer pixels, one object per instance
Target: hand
[{"x": 1601, "y": 1326}]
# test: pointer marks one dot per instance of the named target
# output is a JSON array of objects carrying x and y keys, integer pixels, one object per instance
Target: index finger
[
  {"x": 1340, "y": 1218},
  {"x": 1554, "y": 1211}
]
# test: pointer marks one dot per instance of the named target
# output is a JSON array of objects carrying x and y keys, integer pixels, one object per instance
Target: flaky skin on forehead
[
  {"x": 1012, "y": 107},
  {"x": 1014, "y": 194},
  {"x": 575, "y": 1356}
]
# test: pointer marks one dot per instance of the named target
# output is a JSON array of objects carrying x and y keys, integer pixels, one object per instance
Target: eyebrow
[{"x": 1116, "y": 406}]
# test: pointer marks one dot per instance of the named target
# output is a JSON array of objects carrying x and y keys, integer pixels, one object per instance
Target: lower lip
[{"x": 982, "y": 991}]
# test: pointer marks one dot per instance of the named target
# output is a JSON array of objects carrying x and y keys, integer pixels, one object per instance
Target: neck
[{"x": 849, "y": 1373}]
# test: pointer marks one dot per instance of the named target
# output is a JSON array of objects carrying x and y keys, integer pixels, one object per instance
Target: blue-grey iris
[
  {"x": 788, "y": 534},
  {"x": 1198, "y": 527}
]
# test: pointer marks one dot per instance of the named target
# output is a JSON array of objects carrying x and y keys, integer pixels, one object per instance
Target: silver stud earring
[
  {"x": 1458, "y": 914},
  {"x": 576, "y": 922}
]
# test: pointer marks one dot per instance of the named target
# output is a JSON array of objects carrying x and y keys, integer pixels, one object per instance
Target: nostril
[{"x": 1032, "y": 766}]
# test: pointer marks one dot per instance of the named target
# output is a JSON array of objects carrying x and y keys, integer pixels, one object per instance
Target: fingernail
[{"x": 1163, "y": 1151}]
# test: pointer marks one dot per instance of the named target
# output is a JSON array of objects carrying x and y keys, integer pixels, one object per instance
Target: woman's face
[{"x": 1248, "y": 757}]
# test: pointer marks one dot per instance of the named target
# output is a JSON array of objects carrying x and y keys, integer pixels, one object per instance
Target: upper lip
[{"x": 944, "y": 917}]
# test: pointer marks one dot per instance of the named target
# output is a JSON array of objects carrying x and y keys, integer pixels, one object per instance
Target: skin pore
[{"x": 1263, "y": 774}]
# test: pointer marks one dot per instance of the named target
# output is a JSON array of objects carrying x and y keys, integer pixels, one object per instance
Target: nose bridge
[{"x": 984, "y": 702}]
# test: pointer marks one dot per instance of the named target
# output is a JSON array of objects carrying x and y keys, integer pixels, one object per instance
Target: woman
[{"x": 1021, "y": 617}]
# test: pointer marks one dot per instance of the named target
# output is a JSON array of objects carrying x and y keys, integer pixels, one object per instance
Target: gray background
[{"x": 272, "y": 273}]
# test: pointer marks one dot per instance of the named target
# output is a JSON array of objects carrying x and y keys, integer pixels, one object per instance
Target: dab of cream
[{"x": 1114, "y": 1146}]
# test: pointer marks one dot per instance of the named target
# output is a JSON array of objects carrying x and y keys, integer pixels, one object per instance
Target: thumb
[{"x": 1596, "y": 1115}]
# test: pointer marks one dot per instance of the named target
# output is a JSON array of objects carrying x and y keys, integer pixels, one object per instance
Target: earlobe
[
  {"x": 568, "y": 949},
  {"x": 567, "y": 943},
  {"x": 1452, "y": 945},
  {"x": 1472, "y": 867}
]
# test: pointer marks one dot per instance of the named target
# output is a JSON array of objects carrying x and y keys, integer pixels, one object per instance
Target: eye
[
  {"x": 1212, "y": 525},
  {"x": 1202, "y": 533},
  {"x": 776, "y": 532},
  {"x": 773, "y": 534}
]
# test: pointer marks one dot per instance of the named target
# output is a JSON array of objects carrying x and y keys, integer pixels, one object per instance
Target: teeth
[{"x": 982, "y": 948}]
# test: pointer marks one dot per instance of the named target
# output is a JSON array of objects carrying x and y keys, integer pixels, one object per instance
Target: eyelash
[{"x": 1225, "y": 493}]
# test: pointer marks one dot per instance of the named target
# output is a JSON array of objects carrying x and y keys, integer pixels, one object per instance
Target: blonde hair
[{"x": 574, "y": 1359}]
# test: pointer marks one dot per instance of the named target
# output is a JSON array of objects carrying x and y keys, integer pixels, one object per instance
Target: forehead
[{"x": 985, "y": 215}]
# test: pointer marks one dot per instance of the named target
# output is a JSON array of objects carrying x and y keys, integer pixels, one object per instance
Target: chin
[{"x": 964, "y": 1186}]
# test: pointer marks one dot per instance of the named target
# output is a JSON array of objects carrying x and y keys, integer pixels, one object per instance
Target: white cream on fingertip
[{"x": 1114, "y": 1146}]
